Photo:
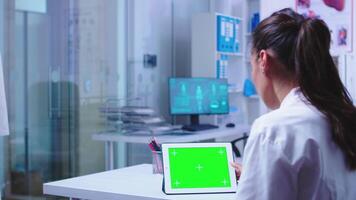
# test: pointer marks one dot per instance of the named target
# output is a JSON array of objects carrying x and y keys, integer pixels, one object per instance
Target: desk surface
[
  {"x": 131, "y": 183},
  {"x": 188, "y": 137}
]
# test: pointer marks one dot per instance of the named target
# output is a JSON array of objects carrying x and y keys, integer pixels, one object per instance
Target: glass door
[
  {"x": 67, "y": 61},
  {"x": 43, "y": 144}
]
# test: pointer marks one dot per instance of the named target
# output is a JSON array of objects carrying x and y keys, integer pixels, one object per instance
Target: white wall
[
  {"x": 98, "y": 76},
  {"x": 183, "y": 11},
  {"x": 150, "y": 32},
  {"x": 351, "y": 76},
  {"x": 270, "y": 6},
  {"x": 351, "y": 64},
  {"x": 1, "y": 25}
]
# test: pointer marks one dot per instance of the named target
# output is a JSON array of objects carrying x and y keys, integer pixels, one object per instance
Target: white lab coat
[{"x": 290, "y": 155}]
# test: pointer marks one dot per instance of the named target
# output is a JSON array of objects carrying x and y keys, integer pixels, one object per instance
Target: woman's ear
[
  {"x": 265, "y": 62},
  {"x": 263, "y": 58}
]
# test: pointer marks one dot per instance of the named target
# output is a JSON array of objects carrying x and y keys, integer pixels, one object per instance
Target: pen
[
  {"x": 156, "y": 151},
  {"x": 156, "y": 146},
  {"x": 151, "y": 147}
]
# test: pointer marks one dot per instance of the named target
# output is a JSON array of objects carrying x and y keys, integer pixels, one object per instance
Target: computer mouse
[{"x": 230, "y": 125}]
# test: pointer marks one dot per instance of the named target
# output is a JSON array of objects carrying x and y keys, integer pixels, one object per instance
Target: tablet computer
[{"x": 198, "y": 168}]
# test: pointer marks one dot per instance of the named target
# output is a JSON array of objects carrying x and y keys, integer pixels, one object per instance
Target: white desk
[
  {"x": 111, "y": 137},
  {"x": 131, "y": 183}
]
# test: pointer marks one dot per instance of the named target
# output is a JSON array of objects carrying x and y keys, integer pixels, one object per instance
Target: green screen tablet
[{"x": 198, "y": 168}]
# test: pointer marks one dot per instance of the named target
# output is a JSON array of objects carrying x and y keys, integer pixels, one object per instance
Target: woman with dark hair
[{"x": 306, "y": 147}]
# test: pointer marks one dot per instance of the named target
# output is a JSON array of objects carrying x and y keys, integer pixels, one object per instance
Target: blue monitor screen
[{"x": 198, "y": 96}]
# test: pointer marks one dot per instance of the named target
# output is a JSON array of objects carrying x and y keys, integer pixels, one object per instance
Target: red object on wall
[{"x": 337, "y": 4}]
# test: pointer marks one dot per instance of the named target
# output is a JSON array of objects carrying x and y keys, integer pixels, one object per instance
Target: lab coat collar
[{"x": 292, "y": 97}]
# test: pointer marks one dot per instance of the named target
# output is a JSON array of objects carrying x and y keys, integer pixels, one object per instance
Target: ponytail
[
  {"x": 320, "y": 83},
  {"x": 302, "y": 46}
]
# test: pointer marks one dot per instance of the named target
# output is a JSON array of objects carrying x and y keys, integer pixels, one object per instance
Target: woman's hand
[{"x": 238, "y": 169}]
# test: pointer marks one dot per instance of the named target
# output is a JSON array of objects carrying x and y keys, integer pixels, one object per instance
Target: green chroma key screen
[{"x": 199, "y": 167}]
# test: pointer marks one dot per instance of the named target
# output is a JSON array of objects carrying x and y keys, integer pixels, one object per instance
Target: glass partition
[{"x": 62, "y": 62}]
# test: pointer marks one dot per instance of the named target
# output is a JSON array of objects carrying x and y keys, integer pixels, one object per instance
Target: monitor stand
[{"x": 196, "y": 126}]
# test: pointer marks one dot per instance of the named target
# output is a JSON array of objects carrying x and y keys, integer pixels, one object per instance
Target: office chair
[{"x": 234, "y": 147}]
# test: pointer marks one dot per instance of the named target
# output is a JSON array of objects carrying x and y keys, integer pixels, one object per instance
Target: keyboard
[{"x": 199, "y": 127}]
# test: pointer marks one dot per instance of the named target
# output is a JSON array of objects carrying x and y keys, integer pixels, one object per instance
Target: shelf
[
  {"x": 226, "y": 15},
  {"x": 237, "y": 91},
  {"x": 230, "y": 54},
  {"x": 206, "y": 45},
  {"x": 255, "y": 97}
]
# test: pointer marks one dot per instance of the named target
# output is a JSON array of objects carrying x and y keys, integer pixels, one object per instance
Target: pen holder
[{"x": 157, "y": 162}]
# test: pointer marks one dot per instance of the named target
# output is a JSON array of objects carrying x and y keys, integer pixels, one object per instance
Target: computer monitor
[{"x": 198, "y": 96}]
